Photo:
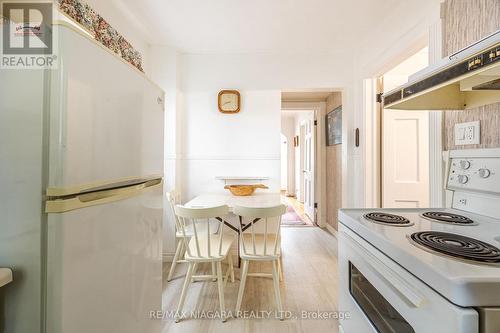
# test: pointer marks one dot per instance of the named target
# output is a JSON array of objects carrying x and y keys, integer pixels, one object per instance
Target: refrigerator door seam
[{"x": 78, "y": 201}]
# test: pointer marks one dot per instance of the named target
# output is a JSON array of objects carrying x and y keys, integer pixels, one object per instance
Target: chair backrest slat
[
  {"x": 196, "y": 238},
  {"x": 252, "y": 215},
  {"x": 185, "y": 237},
  {"x": 200, "y": 219}
]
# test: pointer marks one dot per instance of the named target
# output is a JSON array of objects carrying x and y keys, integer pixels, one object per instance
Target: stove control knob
[
  {"x": 463, "y": 179},
  {"x": 484, "y": 173},
  {"x": 464, "y": 164}
]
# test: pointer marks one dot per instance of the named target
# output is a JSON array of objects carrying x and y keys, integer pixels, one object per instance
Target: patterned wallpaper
[
  {"x": 464, "y": 22},
  {"x": 333, "y": 170},
  {"x": 97, "y": 26}
]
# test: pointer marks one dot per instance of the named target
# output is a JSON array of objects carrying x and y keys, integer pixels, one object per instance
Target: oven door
[{"x": 383, "y": 297}]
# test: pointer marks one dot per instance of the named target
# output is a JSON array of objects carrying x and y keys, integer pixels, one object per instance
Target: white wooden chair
[
  {"x": 205, "y": 247},
  {"x": 261, "y": 247},
  {"x": 173, "y": 199}
]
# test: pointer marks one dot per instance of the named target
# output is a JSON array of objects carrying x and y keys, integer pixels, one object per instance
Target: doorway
[
  {"x": 404, "y": 143},
  {"x": 297, "y": 127},
  {"x": 314, "y": 170}
]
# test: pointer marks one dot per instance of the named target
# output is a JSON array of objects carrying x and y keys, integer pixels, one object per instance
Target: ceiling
[{"x": 257, "y": 26}]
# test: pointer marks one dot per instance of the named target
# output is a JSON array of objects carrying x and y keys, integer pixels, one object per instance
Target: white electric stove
[{"x": 427, "y": 270}]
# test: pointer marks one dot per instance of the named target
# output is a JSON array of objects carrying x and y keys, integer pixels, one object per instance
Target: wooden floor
[
  {"x": 299, "y": 208},
  {"x": 310, "y": 284}
]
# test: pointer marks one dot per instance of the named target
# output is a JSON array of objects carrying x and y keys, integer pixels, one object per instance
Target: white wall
[
  {"x": 242, "y": 144},
  {"x": 266, "y": 71},
  {"x": 166, "y": 62}
]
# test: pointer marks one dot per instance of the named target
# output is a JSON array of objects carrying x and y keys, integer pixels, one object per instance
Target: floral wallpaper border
[{"x": 104, "y": 33}]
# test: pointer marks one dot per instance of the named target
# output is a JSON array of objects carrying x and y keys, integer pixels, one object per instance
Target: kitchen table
[{"x": 218, "y": 199}]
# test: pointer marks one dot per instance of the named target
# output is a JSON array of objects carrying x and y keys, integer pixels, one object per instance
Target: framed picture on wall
[{"x": 334, "y": 127}]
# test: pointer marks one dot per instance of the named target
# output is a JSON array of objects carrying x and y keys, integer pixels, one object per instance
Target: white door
[
  {"x": 405, "y": 144},
  {"x": 405, "y": 179},
  {"x": 308, "y": 170}
]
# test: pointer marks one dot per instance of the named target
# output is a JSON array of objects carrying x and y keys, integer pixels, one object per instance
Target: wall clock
[{"x": 229, "y": 101}]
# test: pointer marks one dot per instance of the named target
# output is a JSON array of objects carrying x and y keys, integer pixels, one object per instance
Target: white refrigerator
[{"x": 81, "y": 165}]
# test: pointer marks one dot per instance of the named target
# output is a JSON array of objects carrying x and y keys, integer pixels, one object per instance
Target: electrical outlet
[{"x": 468, "y": 133}]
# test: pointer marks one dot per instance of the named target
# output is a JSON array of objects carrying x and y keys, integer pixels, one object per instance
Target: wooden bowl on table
[{"x": 244, "y": 190}]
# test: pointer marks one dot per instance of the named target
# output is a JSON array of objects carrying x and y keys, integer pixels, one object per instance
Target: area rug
[{"x": 291, "y": 217}]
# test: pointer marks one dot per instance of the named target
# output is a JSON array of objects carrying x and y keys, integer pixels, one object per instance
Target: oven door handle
[{"x": 396, "y": 281}]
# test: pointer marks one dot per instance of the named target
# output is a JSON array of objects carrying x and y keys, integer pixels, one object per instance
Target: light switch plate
[{"x": 468, "y": 133}]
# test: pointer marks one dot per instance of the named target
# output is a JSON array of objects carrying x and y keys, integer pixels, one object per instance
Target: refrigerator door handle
[
  {"x": 78, "y": 201},
  {"x": 98, "y": 186}
]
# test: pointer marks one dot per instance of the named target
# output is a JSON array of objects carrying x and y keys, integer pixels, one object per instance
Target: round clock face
[{"x": 229, "y": 101}]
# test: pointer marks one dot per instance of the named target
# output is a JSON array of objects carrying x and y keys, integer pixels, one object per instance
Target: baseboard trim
[
  {"x": 167, "y": 257},
  {"x": 331, "y": 230}
]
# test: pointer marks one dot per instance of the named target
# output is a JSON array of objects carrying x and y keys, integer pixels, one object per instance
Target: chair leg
[
  {"x": 214, "y": 271},
  {"x": 194, "y": 271},
  {"x": 243, "y": 278},
  {"x": 229, "y": 271},
  {"x": 187, "y": 281},
  {"x": 220, "y": 284},
  {"x": 280, "y": 268},
  {"x": 231, "y": 267},
  {"x": 174, "y": 262},
  {"x": 277, "y": 289}
]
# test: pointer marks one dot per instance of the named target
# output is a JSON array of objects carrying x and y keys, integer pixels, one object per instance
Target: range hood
[{"x": 464, "y": 80}]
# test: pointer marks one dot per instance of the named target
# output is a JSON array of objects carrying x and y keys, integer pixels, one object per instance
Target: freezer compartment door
[
  {"x": 106, "y": 118},
  {"x": 104, "y": 266}
]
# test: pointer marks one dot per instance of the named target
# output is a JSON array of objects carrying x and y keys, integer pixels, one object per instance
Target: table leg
[
  {"x": 241, "y": 225},
  {"x": 238, "y": 238},
  {"x": 245, "y": 227}
]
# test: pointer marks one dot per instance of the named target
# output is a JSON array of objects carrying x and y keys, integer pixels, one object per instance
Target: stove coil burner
[
  {"x": 448, "y": 218},
  {"x": 457, "y": 246},
  {"x": 388, "y": 219}
]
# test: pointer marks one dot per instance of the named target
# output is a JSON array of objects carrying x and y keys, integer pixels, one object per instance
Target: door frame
[
  {"x": 372, "y": 125},
  {"x": 319, "y": 111}
]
